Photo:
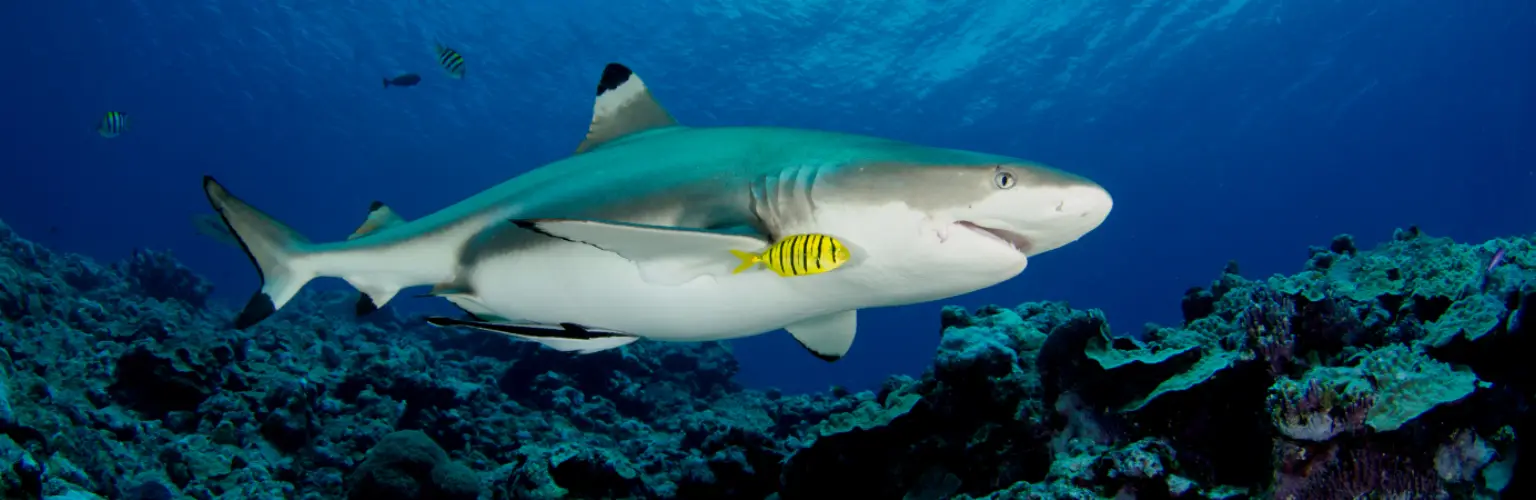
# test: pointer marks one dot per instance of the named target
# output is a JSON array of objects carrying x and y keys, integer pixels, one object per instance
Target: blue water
[{"x": 1225, "y": 129}]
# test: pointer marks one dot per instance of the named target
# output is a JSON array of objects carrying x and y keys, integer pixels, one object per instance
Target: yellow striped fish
[
  {"x": 798, "y": 255},
  {"x": 112, "y": 125},
  {"x": 450, "y": 60}
]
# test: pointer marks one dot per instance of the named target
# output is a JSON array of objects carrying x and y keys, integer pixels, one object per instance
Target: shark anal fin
[
  {"x": 665, "y": 255},
  {"x": 827, "y": 337},
  {"x": 380, "y": 216},
  {"x": 365, "y": 305},
  {"x": 569, "y": 337},
  {"x": 623, "y": 106}
]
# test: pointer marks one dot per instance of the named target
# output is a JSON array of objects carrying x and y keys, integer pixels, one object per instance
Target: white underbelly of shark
[{"x": 577, "y": 283}]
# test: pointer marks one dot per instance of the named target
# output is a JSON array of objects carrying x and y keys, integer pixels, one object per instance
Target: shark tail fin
[
  {"x": 273, "y": 247},
  {"x": 747, "y": 260}
]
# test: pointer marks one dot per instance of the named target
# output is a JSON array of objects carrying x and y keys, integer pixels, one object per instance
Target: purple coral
[
  {"x": 1459, "y": 460},
  {"x": 1268, "y": 326},
  {"x": 1318, "y": 411},
  {"x": 1359, "y": 473}
]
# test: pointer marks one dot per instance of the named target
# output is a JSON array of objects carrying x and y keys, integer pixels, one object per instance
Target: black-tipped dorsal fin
[
  {"x": 623, "y": 106},
  {"x": 380, "y": 216}
]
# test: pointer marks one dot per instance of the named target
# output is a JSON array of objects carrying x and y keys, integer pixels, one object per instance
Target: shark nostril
[{"x": 1060, "y": 205}]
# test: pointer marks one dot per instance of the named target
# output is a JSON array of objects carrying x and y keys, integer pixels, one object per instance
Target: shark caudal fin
[
  {"x": 273, "y": 247},
  {"x": 380, "y": 216}
]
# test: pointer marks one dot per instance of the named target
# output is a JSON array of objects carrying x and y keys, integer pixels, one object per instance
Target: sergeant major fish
[
  {"x": 450, "y": 60},
  {"x": 112, "y": 124}
]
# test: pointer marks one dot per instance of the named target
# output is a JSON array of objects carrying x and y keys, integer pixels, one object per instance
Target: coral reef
[{"x": 1398, "y": 372}]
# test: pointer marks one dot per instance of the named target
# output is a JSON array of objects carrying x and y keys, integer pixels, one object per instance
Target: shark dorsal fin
[
  {"x": 623, "y": 107},
  {"x": 380, "y": 216}
]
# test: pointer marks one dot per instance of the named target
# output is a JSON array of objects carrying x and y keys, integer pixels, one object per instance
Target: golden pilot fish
[{"x": 798, "y": 255}]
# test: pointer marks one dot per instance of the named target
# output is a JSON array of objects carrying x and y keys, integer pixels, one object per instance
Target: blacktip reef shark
[{"x": 631, "y": 236}]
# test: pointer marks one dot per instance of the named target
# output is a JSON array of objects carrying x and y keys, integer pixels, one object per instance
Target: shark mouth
[{"x": 1015, "y": 240}]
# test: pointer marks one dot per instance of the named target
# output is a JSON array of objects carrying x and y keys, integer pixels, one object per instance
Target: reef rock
[{"x": 1401, "y": 371}]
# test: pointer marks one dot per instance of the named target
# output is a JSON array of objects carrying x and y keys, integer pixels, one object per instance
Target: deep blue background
[{"x": 1225, "y": 129}]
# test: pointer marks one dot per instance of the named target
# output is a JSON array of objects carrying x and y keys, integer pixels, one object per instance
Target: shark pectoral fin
[
  {"x": 623, "y": 107},
  {"x": 380, "y": 216},
  {"x": 827, "y": 337},
  {"x": 567, "y": 337},
  {"x": 665, "y": 255}
]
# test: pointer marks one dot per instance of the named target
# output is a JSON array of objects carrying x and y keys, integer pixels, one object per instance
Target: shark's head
[
  {"x": 954, "y": 221},
  {"x": 1033, "y": 208}
]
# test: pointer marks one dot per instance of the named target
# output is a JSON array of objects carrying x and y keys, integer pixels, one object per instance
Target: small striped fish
[
  {"x": 450, "y": 60},
  {"x": 112, "y": 125},
  {"x": 798, "y": 255}
]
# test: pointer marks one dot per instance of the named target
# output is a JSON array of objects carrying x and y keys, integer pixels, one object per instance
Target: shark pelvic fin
[
  {"x": 380, "y": 216},
  {"x": 665, "y": 255},
  {"x": 623, "y": 106},
  {"x": 827, "y": 337},
  {"x": 562, "y": 337}
]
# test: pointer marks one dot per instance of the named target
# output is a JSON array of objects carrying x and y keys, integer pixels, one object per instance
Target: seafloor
[{"x": 1400, "y": 372}]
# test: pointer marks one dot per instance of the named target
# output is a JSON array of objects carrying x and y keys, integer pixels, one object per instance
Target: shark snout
[
  {"x": 1041, "y": 218},
  {"x": 1089, "y": 202},
  {"x": 1075, "y": 211}
]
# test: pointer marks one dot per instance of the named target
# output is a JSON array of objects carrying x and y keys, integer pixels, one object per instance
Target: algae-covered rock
[
  {"x": 1367, "y": 277},
  {"x": 1174, "y": 360},
  {"x": 1470, "y": 318},
  {"x": 1386, "y": 389},
  {"x": 1202, "y": 370},
  {"x": 1309, "y": 284},
  {"x": 408, "y": 465},
  {"x": 869, "y": 415},
  {"x": 1409, "y": 383}
]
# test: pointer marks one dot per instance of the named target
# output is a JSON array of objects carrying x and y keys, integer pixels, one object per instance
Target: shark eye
[{"x": 1004, "y": 180}]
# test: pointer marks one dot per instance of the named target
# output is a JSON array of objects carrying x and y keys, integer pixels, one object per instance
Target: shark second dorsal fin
[
  {"x": 623, "y": 107},
  {"x": 380, "y": 216}
]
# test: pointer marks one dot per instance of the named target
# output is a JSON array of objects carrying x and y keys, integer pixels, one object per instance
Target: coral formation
[{"x": 1399, "y": 372}]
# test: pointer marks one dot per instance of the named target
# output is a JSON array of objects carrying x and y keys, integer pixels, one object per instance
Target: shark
[{"x": 630, "y": 237}]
